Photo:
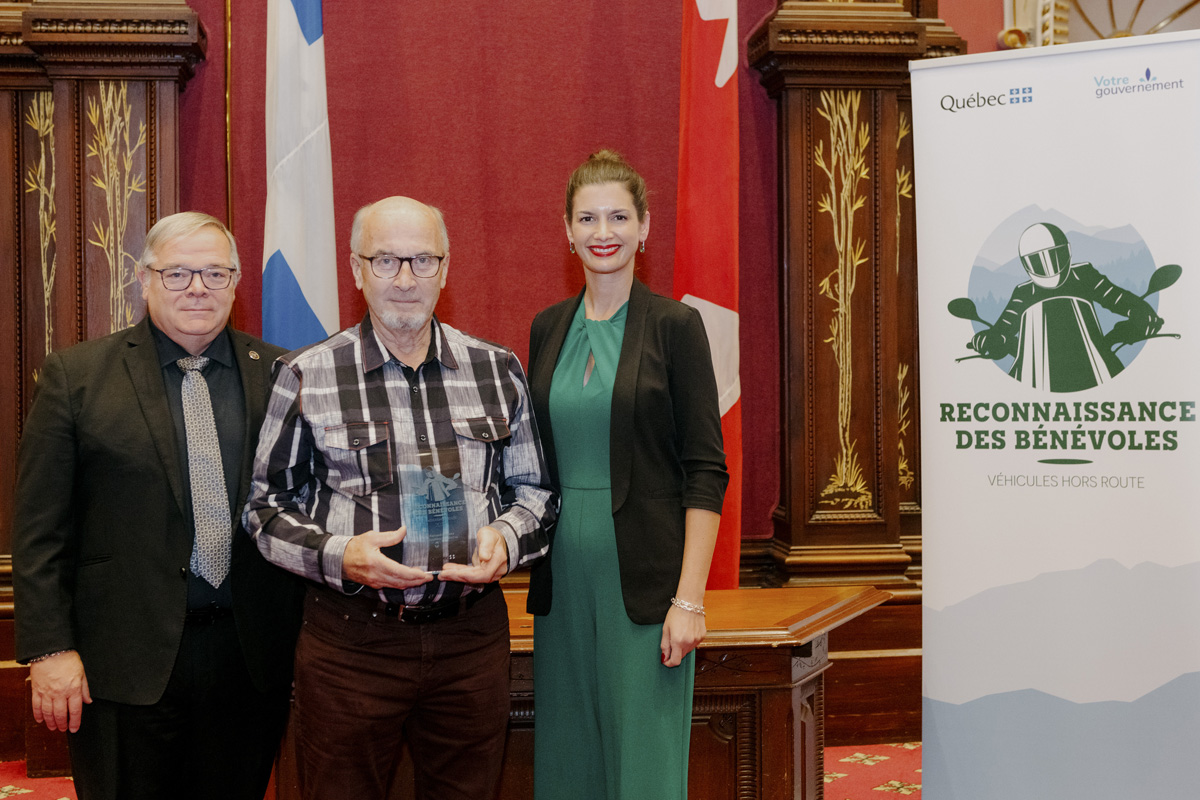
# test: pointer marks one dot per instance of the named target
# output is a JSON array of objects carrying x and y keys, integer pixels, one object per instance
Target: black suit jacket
[
  {"x": 101, "y": 540},
  {"x": 665, "y": 448}
]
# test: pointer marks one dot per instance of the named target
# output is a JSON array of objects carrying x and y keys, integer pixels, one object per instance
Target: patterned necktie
[{"x": 210, "y": 501}]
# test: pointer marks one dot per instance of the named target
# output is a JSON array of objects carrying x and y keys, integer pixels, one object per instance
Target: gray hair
[
  {"x": 360, "y": 222},
  {"x": 178, "y": 226}
]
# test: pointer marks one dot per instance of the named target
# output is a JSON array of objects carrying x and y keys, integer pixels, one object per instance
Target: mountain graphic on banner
[
  {"x": 1125, "y": 264},
  {"x": 1118, "y": 252},
  {"x": 1082, "y": 635},
  {"x": 1001, "y": 245},
  {"x": 1033, "y": 746}
]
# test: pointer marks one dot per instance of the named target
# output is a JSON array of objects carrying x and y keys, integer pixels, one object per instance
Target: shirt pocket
[
  {"x": 358, "y": 456},
  {"x": 481, "y": 442}
]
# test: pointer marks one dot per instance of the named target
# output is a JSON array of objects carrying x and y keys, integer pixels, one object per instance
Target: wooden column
[
  {"x": 849, "y": 510},
  {"x": 89, "y": 135}
]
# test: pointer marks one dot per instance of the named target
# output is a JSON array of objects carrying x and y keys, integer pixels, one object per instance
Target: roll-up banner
[{"x": 1058, "y": 226}]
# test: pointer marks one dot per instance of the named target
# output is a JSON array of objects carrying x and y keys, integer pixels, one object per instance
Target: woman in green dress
[{"x": 622, "y": 385}]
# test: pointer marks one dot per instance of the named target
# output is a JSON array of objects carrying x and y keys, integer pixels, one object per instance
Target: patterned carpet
[
  {"x": 873, "y": 772},
  {"x": 13, "y": 783},
  {"x": 863, "y": 772}
]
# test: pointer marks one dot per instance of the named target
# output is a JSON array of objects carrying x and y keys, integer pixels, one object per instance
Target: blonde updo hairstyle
[{"x": 607, "y": 166}]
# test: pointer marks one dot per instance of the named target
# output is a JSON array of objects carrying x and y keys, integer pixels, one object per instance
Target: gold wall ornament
[
  {"x": 41, "y": 179},
  {"x": 907, "y": 475},
  {"x": 111, "y": 121},
  {"x": 845, "y": 168},
  {"x": 844, "y": 38},
  {"x": 1052, "y": 22},
  {"x": 904, "y": 189},
  {"x": 904, "y": 186},
  {"x": 111, "y": 26}
]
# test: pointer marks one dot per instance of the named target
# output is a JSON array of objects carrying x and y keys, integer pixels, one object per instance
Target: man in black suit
[{"x": 138, "y": 596}]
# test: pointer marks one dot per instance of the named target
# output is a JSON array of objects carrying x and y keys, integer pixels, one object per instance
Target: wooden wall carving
[
  {"x": 88, "y": 133},
  {"x": 849, "y": 511}
]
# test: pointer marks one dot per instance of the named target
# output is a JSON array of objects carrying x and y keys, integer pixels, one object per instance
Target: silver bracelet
[
  {"x": 49, "y": 655},
  {"x": 686, "y": 606}
]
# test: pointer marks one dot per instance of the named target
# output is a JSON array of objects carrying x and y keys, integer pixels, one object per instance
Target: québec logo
[
  {"x": 1017, "y": 95},
  {"x": 1022, "y": 94}
]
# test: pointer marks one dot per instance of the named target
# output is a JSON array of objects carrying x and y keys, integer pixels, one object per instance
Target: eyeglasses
[
  {"x": 388, "y": 266},
  {"x": 176, "y": 279}
]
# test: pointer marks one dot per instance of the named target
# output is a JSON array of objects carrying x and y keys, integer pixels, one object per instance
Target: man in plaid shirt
[{"x": 386, "y": 424}]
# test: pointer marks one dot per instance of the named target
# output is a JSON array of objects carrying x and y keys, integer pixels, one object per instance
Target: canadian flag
[{"x": 706, "y": 231}]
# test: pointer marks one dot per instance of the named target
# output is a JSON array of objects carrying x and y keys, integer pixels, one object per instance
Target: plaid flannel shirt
[{"x": 344, "y": 413}]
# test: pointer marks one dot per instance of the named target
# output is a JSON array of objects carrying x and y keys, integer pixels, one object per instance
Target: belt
[
  {"x": 418, "y": 615},
  {"x": 207, "y": 615}
]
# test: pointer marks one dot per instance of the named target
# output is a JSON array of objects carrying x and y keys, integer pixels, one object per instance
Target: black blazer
[
  {"x": 101, "y": 541},
  {"x": 665, "y": 453}
]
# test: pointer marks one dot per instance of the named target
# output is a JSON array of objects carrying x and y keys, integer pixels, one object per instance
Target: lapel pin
[{"x": 254, "y": 355}]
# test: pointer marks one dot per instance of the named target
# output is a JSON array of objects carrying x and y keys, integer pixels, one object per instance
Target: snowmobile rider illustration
[{"x": 1050, "y": 324}]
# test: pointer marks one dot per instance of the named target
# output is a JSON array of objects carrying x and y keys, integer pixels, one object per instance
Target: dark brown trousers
[{"x": 365, "y": 683}]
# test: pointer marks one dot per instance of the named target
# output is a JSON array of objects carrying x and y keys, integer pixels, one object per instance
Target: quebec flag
[{"x": 300, "y": 298}]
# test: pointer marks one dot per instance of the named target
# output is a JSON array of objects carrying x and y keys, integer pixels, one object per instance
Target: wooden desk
[{"x": 757, "y": 715}]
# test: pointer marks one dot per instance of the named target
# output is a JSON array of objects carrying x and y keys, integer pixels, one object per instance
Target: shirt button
[
  {"x": 354, "y": 442},
  {"x": 422, "y": 437},
  {"x": 183, "y": 573},
  {"x": 485, "y": 435},
  {"x": 415, "y": 390}
]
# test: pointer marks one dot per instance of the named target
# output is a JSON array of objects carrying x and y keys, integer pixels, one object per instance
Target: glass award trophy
[{"x": 433, "y": 509}]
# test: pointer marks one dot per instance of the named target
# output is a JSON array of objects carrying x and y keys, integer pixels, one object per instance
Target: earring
[
  {"x": 572, "y": 247},
  {"x": 642, "y": 249}
]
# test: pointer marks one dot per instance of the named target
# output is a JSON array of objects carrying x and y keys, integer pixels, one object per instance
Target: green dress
[{"x": 610, "y": 721}]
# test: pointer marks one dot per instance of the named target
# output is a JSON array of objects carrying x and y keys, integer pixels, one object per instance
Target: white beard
[{"x": 404, "y": 323}]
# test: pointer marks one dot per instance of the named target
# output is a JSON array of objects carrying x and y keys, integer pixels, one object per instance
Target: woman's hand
[{"x": 682, "y": 631}]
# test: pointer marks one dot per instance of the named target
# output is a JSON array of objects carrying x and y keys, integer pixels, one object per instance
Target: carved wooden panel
[
  {"x": 114, "y": 200},
  {"x": 908, "y": 400},
  {"x": 849, "y": 510},
  {"x": 842, "y": 133},
  {"x": 724, "y": 760}
]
